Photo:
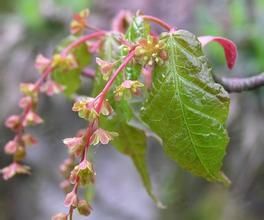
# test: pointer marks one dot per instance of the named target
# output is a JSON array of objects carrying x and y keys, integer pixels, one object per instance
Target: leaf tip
[{"x": 229, "y": 47}]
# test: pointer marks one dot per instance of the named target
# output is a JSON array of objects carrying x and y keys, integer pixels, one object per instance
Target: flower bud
[
  {"x": 128, "y": 85},
  {"x": 28, "y": 90},
  {"x": 85, "y": 112},
  {"x": 106, "y": 67},
  {"x": 102, "y": 136},
  {"x": 25, "y": 102},
  {"x": 51, "y": 88},
  {"x": 106, "y": 108},
  {"x": 64, "y": 62},
  {"x": 86, "y": 107},
  {"x": 59, "y": 216},
  {"x": 11, "y": 147},
  {"x": 71, "y": 199},
  {"x": 84, "y": 208},
  {"x": 32, "y": 118},
  {"x": 41, "y": 63},
  {"x": 13, "y": 169},
  {"x": 84, "y": 171},
  {"x": 79, "y": 22},
  {"x": 28, "y": 139},
  {"x": 13, "y": 122},
  {"x": 75, "y": 145}
]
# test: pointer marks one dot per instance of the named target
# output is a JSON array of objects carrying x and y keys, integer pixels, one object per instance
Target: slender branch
[
  {"x": 44, "y": 75},
  {"x": 157, "y": 21},
  {"x": 82, "y": 40},
  {"x": 93, "y": 124},
  {"x": 241, "y": 84},
  {"x": 108, "y": 85}
]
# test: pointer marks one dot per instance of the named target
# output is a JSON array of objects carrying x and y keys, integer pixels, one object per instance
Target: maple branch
[
  {"x": 81, "y": 40},
  {"x": 157, "y": 21},
  {"x": 241, "y": 84}
]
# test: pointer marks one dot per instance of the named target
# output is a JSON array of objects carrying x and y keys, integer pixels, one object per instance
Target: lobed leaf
[{"x": 187, "y": 109}]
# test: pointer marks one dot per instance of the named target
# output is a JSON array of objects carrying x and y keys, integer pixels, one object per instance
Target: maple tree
[{"x": 143, "y": 82}]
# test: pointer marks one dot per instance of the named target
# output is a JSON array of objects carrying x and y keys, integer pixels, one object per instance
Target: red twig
[
  {"x": 82, "y": 40},
  {"x": 157, "y": 21},
  {"x": 108, "y": 85}
]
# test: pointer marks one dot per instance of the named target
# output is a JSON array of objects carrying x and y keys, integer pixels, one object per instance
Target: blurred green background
[{"x": 29, "y": 27}]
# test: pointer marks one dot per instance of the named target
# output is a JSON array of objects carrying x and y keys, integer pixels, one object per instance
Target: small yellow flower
[
  {"x": 79, "y": 22},
  {"x": 64, "y": 62},
  {"x": 133, "y": 86},
  {"x": 150, "y": 51}
]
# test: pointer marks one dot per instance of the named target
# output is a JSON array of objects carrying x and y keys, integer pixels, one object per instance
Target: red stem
[
  {"x": 82, "y": 40},
  {"x": 157, "y": 21},
  {"x": 101, "y": 97},
  {"x": 108, "y": 85},
  {"x": 43, "y": 77}
]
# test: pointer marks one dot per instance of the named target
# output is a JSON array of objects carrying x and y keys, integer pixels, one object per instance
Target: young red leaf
[{"x": 228, "y": 45}]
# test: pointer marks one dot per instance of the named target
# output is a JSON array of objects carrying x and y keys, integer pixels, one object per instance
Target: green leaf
[
  {"x": 138, "y": 29},
  {"x": 131, "y": 141},
  {"x": 187, "y": 109},
  {"x": 70, "y": 79}
]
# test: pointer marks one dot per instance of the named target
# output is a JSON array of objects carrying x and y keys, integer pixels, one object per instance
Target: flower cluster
[
  {"x": 64, "y": 62},
  {"x": 82, "y": 173},
  {"x": 150, "y": 51},
  {"x": 87, "y": 108},
  {"x": 129, "y": 87},
  {"x": 79, "y": 22},
  {"x": 17, "y": 147},
  {"x": 105, "y": 67},
  {"x": 17, "y": 123}
]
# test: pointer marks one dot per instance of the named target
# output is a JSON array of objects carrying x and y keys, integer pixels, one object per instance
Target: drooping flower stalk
[
  {"x": 29, "y": 104},
  {"x": 84, "y": 173}
]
